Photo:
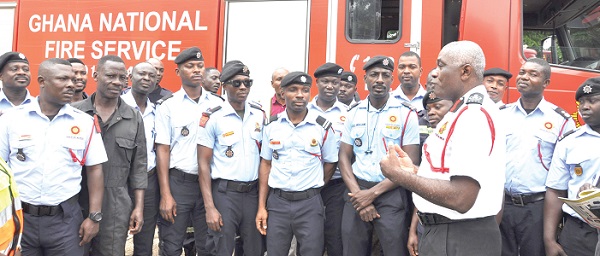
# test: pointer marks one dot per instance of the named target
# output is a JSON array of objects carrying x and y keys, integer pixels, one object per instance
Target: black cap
[
  {"x": 429, "y": 98},
  {"x": 296, "y": 77},
  {"x": 349, "y": 77},
  {"x": 12, "y": 57},
  {"x": 233, "y": 68},
  {"x": 192, "y": 53},
  {"x": 497, "y": 72},
  {"x": 589, "y": 87},
  {"x": 379, "y": 61},
  {"x": 329, "y": 69}
]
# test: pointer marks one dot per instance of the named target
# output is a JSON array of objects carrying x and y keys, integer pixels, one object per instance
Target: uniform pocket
[{"x": 126, "y": 147}]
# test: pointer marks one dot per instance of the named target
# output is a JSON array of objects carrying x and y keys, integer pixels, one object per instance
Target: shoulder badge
[
  {"x": 409, "y": 106},
  {"x": 322, "y": 121},
  {"x": 562, "y": 112},
  {"x": 166, "y": 97},
  {"x": 257, "y": 106},
  {"x": 217, "y": 95},
  {"x": 564, "y": 135},
  {"x": 206, "y": 115},
  {"x": 475, "y": 98},
  {"x": 353, "y": 105}
]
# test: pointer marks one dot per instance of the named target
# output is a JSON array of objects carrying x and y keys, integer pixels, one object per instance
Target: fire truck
[{"x": 300, "y": 35}]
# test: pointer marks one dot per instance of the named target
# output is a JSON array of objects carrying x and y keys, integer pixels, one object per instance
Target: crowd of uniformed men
[{"x": 333, "y": 172}]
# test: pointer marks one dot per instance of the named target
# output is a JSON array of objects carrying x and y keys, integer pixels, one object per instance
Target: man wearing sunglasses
[{"x": 228, "y": 159}]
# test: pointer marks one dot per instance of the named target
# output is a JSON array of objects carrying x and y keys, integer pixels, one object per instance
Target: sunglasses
[{"x": 238, "y": 83}]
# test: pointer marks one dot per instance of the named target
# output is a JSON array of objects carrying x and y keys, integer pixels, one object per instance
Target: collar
[
  {"x": 28, "y": 98},
  {"x": 336, "y": 105},
  {"x": 398, "y": 93},
  {"x": 587, "y": 129},
  {"x": 544, "y": 106},
  {"x": 34, "y": 107},
  {"x": 310, "y": 118},
  {"x": 128, "y": 98},
  {"x": 123, "y": 110}
]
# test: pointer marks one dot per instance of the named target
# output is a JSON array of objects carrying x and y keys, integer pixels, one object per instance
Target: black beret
[
  {"x": 192, "y": 53},
  {"x": 379, "y": 61},
  {"x": 589, "y": 87},
  {"x": 296, "y": 77},
  {"x": 329, "y": 69},
  {"x": 231, "y": 62},
  {"x": 497, "y": 72},
  {"x": 349, "y": 77},
  {"x": 12, "y": 57},
  {"x": 230, "y": 70},
  {"x": 429, "y": 98}
]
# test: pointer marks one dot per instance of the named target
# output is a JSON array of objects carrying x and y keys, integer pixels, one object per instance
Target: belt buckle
[
  {"x": 243, "y": 187},
  {"x": 426, "y": 219},
  {"x": 517, "y": 200}
]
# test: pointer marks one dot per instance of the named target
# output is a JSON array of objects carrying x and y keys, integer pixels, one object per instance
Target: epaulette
[
  {"x": 503, "y": 106},
  {"x": 562, "y": 112},
  {"x": 353, "y": 105},
  {"x": 206, "y": 115},
  {"x": 255, "y": 103},
  {"x": 322, "y": 121},
  {"x": 217, "y": 95},
  {"x": 566, "y": 134},
  {"x": 273, "y": 118},
  {"x": 409, "y": 106},
  {"x": 162, "y": 100},
  {"x": 476, "y": 98},
  {"x": 257, "y": 106}
]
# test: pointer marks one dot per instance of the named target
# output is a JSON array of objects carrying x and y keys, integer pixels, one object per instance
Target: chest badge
[
  {"x": 358, "y": 142},
  {"x": 393, "y": 119},
  {"x": 185, "y": 131},
  {"x": 21, "y": 155},
  {"x": 314, "y": 143},
  {"x": 75, "y": 130},
  {"x": 275, "y": 155},
  {"x": 548, "y": 125},
  {"x": 257, "y": 127},
  {"x": 578, "y": 170},
  {"x": 229, "y": 152},
  {"x": 443, "y": 128}
]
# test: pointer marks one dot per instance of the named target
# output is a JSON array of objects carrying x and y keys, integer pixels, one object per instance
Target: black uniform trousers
[
  {"x": 186, "y": 192},
  {"x": 237, "y": 204},
  {"x": 474, "y": 237},
  {"x": 391, "y": 228},
  {"x": 56, "y": 234},
  {"x": 142, "y": 242},
  {"x": 333, "y": 198},
  {"x": 522, "y": 229},
  {"x": 302, "y": 218},
  {"x": 577, "y": 237}
]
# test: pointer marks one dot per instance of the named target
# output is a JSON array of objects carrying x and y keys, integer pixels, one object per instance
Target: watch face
[{"x": 96, "y": 216}]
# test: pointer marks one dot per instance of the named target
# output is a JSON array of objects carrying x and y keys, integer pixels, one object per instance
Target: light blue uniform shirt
[
  {"x": 371, "y": 130},
  {"x": 300, "y": 150},
  {"x": 48, "y": 176},
  {"x": 177, "y": 123},
  {"x": 226, "y": 131},
  {"x": 6, "y": 104},
  {"x": 416, "y": 102},
  {"x": 337, "y": 116},
  {"x": 530, "y": 141},
  {"x": 150, "y": 130},
  {"x": 575, "y": 162}
]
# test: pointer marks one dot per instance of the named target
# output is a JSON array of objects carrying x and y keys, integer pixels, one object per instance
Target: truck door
[{"x": 266, "y": 35}]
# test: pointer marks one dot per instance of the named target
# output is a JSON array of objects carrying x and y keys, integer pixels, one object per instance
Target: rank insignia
[
  {"x": 393, "y": 119},
  {"x": 21, "y": 155},
  {"x": 275, "y": 155},
  {"x": 198, "y": 55},
  {"x": 75, "y": 130},
  {"x": 229, "y": 152},
  {"x": 257, "y": 127},
  {"x": 578, "y": 170},
  {"x": 185, "y": 131},
  {"x": 443, "y": 128},
  {"x": 357, "y": 142},
  {"x": 314, "y": 143},
  {"x": 385, "y": 62},
  {"x": 587, "y": 89},
  {"x": 548, "y": 125},
  {"x": 204, "y": 119}
]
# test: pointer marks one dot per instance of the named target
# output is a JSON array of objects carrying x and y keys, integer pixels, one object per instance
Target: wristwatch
[{"x": 95, "y": 216}]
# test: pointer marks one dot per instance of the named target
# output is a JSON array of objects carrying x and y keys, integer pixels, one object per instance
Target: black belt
[
  {"x": 152, "y": 171},
  {"x": 367, "y": 184},
  {"x": 239, "y": 186},
  {"x": 44, "y": 210},
  {"x": 297, "y": 195},
  {"x": 184, "y": 175},
  {"x": 333, "y": 182},
  {"x": 435, "y": 219},
  {"x": 523, "y": 199}
]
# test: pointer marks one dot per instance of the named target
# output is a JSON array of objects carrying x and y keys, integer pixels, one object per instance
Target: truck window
[
  {"x": 563, "y": 35},
  {"x": 373, "y": 21}
]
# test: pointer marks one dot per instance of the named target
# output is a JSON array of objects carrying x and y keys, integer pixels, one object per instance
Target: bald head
[
  {"x": 276, "y": 78},
  {"x": 466, "y": 52},
  {"x": 160, "y": 68}
]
